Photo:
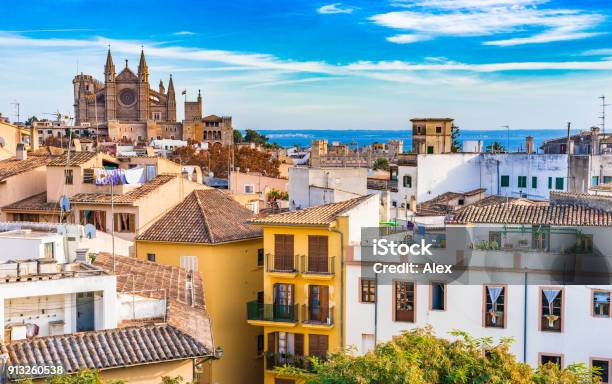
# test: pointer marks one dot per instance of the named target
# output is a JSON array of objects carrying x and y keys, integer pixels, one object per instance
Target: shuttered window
[
  {"x": 318, "y": 345},
  {"x": 283, "y": 253},
  {"x": 318, "y": 254}
]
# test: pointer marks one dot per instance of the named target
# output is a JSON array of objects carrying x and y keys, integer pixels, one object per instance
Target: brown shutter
[
  {"x": 272, "y": 342},
  {"x": 318, "y": 345},
  {"x": 324, "y": 299},
  {"x": 132, "y": 222},
  {"x": 299, "y": 344},
  {"x": 283, "y": 252}
]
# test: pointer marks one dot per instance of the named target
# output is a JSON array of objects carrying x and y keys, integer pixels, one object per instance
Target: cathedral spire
[
  {"x": 143, "y": 69},
  {"x": 170, "y": 86},
  {"x": 109, "y": 68}
]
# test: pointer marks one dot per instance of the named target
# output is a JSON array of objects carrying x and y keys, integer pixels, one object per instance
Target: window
[
  {"x": 461, "y": 201},
  {"x": 505, "y": 181},
  {"x": 318, "y": 345},
  {"x": 260, "y": 345},
  {"x": 522, "y": 181},
  {"x": 603, "y": 369},
  {"x": 260, "y": 257},
  {"x": 607, "y": 179},
  {"x": 318, "y": 259},
  {"x": 539, "y": 237},
  {"x": 594, "y": 181},
  {"x": 249, "y": 188},
  {"x": 534, "y": 182},
  {"x": 551, "y": 309},
  {"x": 284, "y": 259},
  {"x": 601, "y": 303},
  {"x": 404, "y": 297},
  {"x": 407, "y": 181},
  {"x": 95, "y": 218},
  {"x": 156, "y": 116},
  {"x": 430, "y": 149},
  {"x": 318, "y": 304},
  {"x": 151, "y": 257},
  {"x": 438, "y": 129},
  {"x": 368, "y": 290},
  {"x": 549, "y": 182},
  {"x": 495, "y": 306},
  {"x": 559, "y": 183},
  {"x": 125, "y": 222},
  {"x": 189, "y": 263},
  {"x": 556, "y": 359},
  {"x": 438, "y": 296},
  {"x": 88, "y": 176},
  {"x": 68, "y": 176},
  {"x": 49, "y": 251},
  {"x": 495, "y": 237},
  {"x": 151, "y": 172}
]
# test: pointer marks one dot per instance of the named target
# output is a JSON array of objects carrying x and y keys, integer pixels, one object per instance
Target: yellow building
[
  {"x": 208, "y": 232},
  {"x": 302, "y": 309},
  {"x": 432, "y": 135}
]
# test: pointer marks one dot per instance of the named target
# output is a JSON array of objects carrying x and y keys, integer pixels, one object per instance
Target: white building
[
  {"x": 488, "y": 296},
  {"x": 311, "y": 186}
]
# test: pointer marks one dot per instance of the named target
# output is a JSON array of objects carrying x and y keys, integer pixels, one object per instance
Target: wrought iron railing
[{"x": 257, "y": 310}]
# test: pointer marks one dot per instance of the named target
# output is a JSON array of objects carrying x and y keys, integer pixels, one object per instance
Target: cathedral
[{"x": 125, "y": 108}]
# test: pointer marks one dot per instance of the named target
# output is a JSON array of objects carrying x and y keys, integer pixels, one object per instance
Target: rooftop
[
  {"x": 106, "y": 349},
  {"x": 205, "y": 216},
  {"x": 606, "y": 187},
  {"x": 12, "y": 167},
  {"x": 319, "y": 215},
  {"x": 562, "y": 215},
  {"x": 432, "y": 119},
  {"x": 76, "y": 158},
  {"x": 439, "y": 205},
  {"x": 126, "y": 198},
  {"x": 36, "y": 203}
]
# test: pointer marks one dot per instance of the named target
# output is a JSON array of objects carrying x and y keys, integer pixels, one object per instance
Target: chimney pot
[{"x": 21, "y": 152}]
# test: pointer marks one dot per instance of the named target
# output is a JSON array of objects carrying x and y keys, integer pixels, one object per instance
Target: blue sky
[{"x": 282, "y": 64}]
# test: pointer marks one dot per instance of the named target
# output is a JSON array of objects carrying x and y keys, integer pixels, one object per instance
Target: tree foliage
[
  {"x": 217, "y": 159},
  {"x": 87, "y": 376},
  {"x": 496, "y": 147},
  {"x": 237, "y": 136},
  {"x": 418, "y": 357},
  {"x": 252, "y": 136},
  {"x": 455, "y": 142},
  {"x": 381, "y": 164},
  {"x": 31, "y": 120}
]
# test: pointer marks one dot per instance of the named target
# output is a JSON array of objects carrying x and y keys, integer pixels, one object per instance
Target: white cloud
[
  {"x": 334, "y": 9},
  {"x": 184, "y": 33},
  {"x": 486, "y": 18},
  {"x": 407, "y": 38},
  {"x": 598, "y": 52}
]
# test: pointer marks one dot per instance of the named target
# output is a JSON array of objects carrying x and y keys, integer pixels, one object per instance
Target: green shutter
[
  {"x": 522, "y": 181},
  {"x": 559, "y": 183},
  {"x": 534, "y": 182},
  {"x": 505, "y": 181},
  {"x": 550, "y": 183}
]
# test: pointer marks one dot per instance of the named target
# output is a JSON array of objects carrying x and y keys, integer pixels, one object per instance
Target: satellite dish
[
  {"x": 90, "y": 231},
  {"x": 64, "y": 203}
]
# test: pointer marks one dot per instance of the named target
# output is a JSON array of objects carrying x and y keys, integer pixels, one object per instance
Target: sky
[{"x": 284, "y": 64}]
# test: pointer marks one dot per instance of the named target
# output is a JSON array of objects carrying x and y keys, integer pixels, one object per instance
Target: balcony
[
  {"x": 259, "y": 313},
  {"x": 318, "y": 267},
  {"x": 282, "y": 264},
  {"x": 315, "y": 317},
  {"x": 278, "y": 359}
]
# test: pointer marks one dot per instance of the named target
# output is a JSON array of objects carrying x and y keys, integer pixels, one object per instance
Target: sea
[{"x": 513, "y": 139}]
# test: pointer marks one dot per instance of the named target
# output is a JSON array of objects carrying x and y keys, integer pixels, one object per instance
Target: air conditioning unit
[
  {"x": 56, "y": 327},
  {"x": 19, "y": 332}
]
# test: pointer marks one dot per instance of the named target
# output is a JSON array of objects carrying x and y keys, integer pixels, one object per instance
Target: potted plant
[{"x": 551, "y": 320}]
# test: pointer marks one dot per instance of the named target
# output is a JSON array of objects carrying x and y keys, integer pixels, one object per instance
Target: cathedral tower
[
  {"x": 171, "y": 108},
  {"x": 143, "y": 89},
  {"x": 110, "y": 88}
]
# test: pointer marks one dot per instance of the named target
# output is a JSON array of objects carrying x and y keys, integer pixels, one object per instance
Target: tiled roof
[
  {"x": 205, "y": 216},
  {"x": 582, "y": 195},
  {"x": 211, "y": 118},
  {"x": 319, "y": 215},
  {"x": 438, "y": 206},
  {"x": 603, "y": 187},
  {"x": 46, "y": 151},
  {"x": 497, "y": 199},
  {"x": 126, "y": 198},
  {"x": 76, "y": 158},
  {"x": 571, "y": 215},
  {"x": 106, "y": 349},
  {"x": 12, "y": 167},
  {"x": 186, "y": 308},
  {"x": 34, "y": 203}
]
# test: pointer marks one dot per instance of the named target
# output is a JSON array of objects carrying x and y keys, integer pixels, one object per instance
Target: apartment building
[
  {"x": 537, "y": 273},
  {"x": 253, "y": 187},
  {"x": 301, "y": 307},
  {"x": 310, "y": 186},
  {"x": 208, "y": 232}
]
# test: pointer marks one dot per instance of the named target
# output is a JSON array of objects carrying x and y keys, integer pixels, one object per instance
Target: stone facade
[
  {"x": 432, "y": 135},
  {"x": 124, "y": 105}
]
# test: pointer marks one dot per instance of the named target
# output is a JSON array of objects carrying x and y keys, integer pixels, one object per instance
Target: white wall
[
  {"x": 346, "y": 183},
  {"x": 437, "y": 174},
  {"x": 23, "y": 246}
]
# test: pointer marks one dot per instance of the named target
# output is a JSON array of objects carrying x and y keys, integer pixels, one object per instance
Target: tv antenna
[
  {"x": 603, "y": 113},
  {"x": 17, "y": 105}
]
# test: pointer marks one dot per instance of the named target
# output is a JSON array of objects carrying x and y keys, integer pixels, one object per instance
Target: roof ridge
[{"x": 205, "y": 219}]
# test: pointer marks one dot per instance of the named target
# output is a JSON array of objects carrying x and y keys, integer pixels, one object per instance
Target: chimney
[
  {"x": 529, "y": 144},
  {"x": 77, "y": 145},
  {"x": 413, "y": 204},
  {"x": 33, "y": 138},
  {"x": 21, "y": 152},
  {"x": 595, "y": 140}
]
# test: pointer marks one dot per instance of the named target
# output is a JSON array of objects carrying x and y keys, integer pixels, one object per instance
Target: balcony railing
[
  {"x": 318, "y": 264},
  {"x": 281, "y": 263},
  {"x": 272, "y": 312},
  {"x": 277, "y": 359},
  {"x": 317, "y": 315}
]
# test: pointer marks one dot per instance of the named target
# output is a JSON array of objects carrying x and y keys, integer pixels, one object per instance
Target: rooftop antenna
[
  {"x": 17, "y": 105},
  {"x": 603, "y": 113},
  {"x": 508, "y": 137}
]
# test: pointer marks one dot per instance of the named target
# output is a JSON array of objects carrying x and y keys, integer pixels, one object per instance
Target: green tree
[
  {"x": 455, "y": 142},
  {"x": 496, "y": 147},
  {"x": 30, "y": 120},
  {"x": 381, "y": 164},
  {"x": 418, "y": 357},
  {"x": 252, "y": 136},
  {"x": 237, "y": 136}
]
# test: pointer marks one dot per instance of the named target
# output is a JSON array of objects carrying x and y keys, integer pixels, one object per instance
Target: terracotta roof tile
[
  {"x": 105, "y": 349},
  {"x": 76, "y": 158},
  {"x": 34, "y": 203},
  {"x": 319, "y": 215},
  {"x": 570, "y": 215},
  {"x": 12, "y": 167},
  {"x": 205, "y": 216},
  {"x": 126, "y": 198}
]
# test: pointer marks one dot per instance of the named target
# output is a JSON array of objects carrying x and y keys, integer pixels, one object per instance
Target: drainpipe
[
  {"x": 525, "y": 319},
  {"x": 332, "y": 228},
  {"x": 498, "y": 181}
]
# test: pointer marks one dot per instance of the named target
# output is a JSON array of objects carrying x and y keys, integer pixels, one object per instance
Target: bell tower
[
  {"x": 143, "y": 89},
  {"x": 110, "y": 88}
]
